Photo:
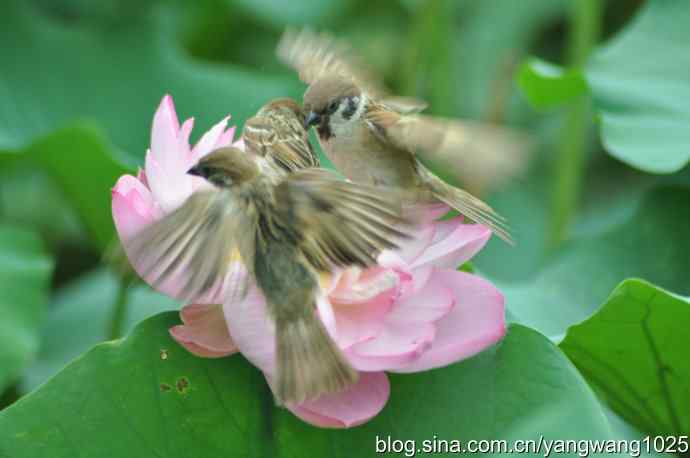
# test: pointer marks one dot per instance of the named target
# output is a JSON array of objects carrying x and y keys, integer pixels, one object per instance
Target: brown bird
[
  {"x": 378, "y": 140},
  {"x": 286, "y": 232},
  {"x": 278, "y": 136}
]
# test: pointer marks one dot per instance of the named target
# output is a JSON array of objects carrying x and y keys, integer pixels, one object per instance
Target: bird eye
[{"x": 333, "y": 106}]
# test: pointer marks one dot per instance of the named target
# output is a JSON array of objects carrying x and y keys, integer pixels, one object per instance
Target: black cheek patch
[{"x": 351, "y": 108}]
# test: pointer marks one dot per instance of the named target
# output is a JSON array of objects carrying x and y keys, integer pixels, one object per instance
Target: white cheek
[
  {"x": 338, "y": 115},
  {"x": 342, "y": 126}
]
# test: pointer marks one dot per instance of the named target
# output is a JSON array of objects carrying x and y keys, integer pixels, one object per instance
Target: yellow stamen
[
  {"x": 325, "y": 280},
  {"x": 235, "y": 255}
]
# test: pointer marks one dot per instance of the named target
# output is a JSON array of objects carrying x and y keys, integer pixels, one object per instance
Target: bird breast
[{"x": 363, "y": 158}]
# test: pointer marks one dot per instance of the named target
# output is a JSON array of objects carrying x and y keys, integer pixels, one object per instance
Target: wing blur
[
  {"x": 481, "y": 156},
  {"x": 341, "y": 223},
  {"x": 196, "y": 248},
  {"x": 314, "y": 55}
]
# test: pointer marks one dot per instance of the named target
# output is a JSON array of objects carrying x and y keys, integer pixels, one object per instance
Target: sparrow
[
  {"x": 277, "y": 137},
  {"x": 380, "y": 140},
  {"x": 286, "y": 233},
  {"x": 277, "y": 140}
]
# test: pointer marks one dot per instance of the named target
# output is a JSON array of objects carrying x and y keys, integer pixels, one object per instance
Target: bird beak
[
  {"x": 195, "y": 171},
  {"x": 312, "y": 119}
]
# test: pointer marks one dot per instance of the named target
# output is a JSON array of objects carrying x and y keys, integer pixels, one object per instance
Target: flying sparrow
[
  {"x": 379, "y": 140},
  {"x": 285, "y": 232}
]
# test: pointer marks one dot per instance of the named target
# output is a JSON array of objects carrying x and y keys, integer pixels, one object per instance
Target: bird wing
[
  {"x": 479, "y": 155},
  {"x": 403, "y": 104},
  {"x": 281, "y": 140},
  {"x": 197, "y": 247},
  {"x": 314, "y": 55},
  {"x": 441, "y": 142},
  {"x": 341, "y": 223}
]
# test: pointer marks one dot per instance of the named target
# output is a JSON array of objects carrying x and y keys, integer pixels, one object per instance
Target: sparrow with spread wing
[
  {"x": 379, "y": 140},
  {"x": 285, "y": 232}
]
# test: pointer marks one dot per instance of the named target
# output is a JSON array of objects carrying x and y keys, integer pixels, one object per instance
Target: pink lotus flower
[
  {"x": 164, "y": 184},
  {"x": 412, "y": 312}
]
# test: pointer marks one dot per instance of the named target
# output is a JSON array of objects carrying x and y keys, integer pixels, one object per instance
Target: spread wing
[
  {"x": 404, "y": 105},
  {"x": 282, "y": 140},
  {"x": 314, "y": 55},
  {"x": 480, "y": 156},
  {"x": 341, "y": 223},
  {"x": 198, "y": 247}
]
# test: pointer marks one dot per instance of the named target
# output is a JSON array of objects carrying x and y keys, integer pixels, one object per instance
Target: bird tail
[
  {"x": 464, "y": 202},
  {"x": 308, "y": 361}
]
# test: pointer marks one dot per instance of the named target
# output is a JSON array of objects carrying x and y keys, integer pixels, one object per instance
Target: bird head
[
  {"x": 331, "y": 103},
  {"x": 226, "y": 167},
  {"x": 283, "y": 105}
]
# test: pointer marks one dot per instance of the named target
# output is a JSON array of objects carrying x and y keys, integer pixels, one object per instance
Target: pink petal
[
  {"x": 351, "y": 331},
  {"x": 166, "y": 117},
  {"x": 222, "y": 289},
  {"x": 427, "y": 305},
  {"x": 362, "y": 300},
  {"x": 361, "y": 322},
  {"x": 461, "y": 243},
  {"x": 226, "y": 138},
  {"x": 372, "y": 284},
  {"x": 354, "y": 406},
  {"x": 141, "y": 176},
  {"x": 418, "y": 279},
  {"x": 327, "y": 314},
  {"x": 204, "y": 332},
  {"x": 170, "y": 188},
  {"x": 165, "y": 144},
  {"x": 341, "y": 279},
  {"x": 398, "y": 345},
  {"x": 133, "y": 207},
  {"x": 169, "y": 158},
  {"x": 446, "y": 227},
  {"x": 390, "y": 259},
  {"x": 252, "y": 330},
  {"x": 427, "y": 213},
  {"x": 476, "y": 322},
  {"x": 411, "y": 249},
  {"x": 183, "y": 143},
  {"x": 209, "y": 141}
]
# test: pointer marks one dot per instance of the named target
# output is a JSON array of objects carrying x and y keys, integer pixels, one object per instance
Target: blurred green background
[{"x": 80, "y": 81}]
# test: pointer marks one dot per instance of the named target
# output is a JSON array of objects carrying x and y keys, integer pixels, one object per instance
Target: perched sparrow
[
  {"x": 377, "y": 140},
  {"x": 285, "y": 233},
  {"x": 278, "y": 136}
]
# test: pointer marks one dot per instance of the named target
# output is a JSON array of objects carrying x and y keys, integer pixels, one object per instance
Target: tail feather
[
  {"x": 464, "y": 202},
  {"x": 308, "y": 361}
]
